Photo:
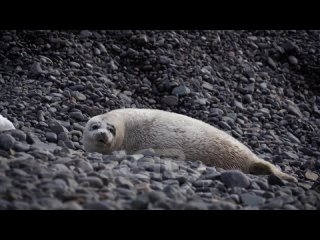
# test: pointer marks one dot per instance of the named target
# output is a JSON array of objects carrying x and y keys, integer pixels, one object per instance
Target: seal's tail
[{"x": 264, "y": 168}]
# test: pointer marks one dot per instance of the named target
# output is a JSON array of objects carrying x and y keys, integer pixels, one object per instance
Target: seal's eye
[
  {"x": 112, "y": 129},
  {"x": 95, "y": 126}
]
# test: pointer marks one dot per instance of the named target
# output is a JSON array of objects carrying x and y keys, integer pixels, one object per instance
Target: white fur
[
  {"x": 171, "y": 132},
  {"x": 5, "y": 124}
]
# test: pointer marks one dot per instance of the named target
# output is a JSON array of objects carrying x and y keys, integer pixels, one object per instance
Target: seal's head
[{"x": 99, "y": 136}]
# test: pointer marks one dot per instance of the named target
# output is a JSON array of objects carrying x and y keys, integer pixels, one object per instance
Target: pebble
[
  {"x": 77, "y": 116},
  {"x": 275, "y": 180},
  {"x": 235, "y": 178},
  {"x": 251, "y": 199},
  {"x": 36, "y": 68},
  {"x": 181, "y": 91},
  {"x": 170, "y": 100},
  {"x": 51, "y": 137},
  {"x": 311, "y": 175},
  {"x": 6, "y": 142},
  {"x": 293, "y": 60}
]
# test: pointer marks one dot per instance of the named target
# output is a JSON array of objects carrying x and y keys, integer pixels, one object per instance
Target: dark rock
[
  {"x": 235, "y": 178},
  {"x": 275, "y": 180},
  {"x": 6, "y": 141}
]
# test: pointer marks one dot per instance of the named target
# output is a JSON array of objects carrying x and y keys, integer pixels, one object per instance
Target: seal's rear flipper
[{"x": 265, "y": 168}]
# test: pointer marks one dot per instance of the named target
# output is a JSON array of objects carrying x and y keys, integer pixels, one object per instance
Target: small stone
[
  {"x": 164, "y": 60},
  {"x": 57, "y": 127},
  {"x": 224, "y": 125},
  {"x": 291, "y": 155},
  {"x": 251, "y": 199},
  {"x": 79, "y": 96},
  {"x": 181, "y": 91},
  {"x": 170, "y": 100},
  {"x": 85, "y": 166},
  {"x": 36, "y": 68},
  {"x": 235, "y": 178},
  {"x": 141, "y": 202},
  {"x": 275, "y": 180},
  {"x": 294, "y": 109},
  {"x": 271, "y": 62},
  {"x": 123, "y": 182},
  {"x": 75, "y": 64},
  {"x": 85, "y": 34},
  {"x": 77, "y": 116},
  {"x": 238, "y": 104},
  {"x": 102, "y": 48},
  {"x": 201, "y": 101},
  {"x": 21, "y": 147},
  {"x": 247, "y": 98},
  {"x": 18, "y": 135},
  {"x": 293, "y": 138},
  {"x": 293, "y": 60},
  {"x": 207, "y": 86},
  {"x": 93, "y": 181},
  {"x": 216, "y": 111},
  {"x": 6, "y": 142},
  {"x": 311, "y": 175},
  {"x": 51, "y": 137},
  {"x": 155, "y": 196}
]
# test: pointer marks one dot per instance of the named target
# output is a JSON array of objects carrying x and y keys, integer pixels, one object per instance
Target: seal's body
[{"x": 166, "y": 132}]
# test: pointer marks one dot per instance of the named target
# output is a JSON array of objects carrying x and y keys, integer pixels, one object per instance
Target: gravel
[{"x": 260, "y": 86}]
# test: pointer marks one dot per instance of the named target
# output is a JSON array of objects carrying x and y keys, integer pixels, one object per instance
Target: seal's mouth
[{"x": 102, "y": 141}]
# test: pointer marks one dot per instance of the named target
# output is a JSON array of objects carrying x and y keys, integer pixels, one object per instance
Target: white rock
[{"x": 5, "y": 124}]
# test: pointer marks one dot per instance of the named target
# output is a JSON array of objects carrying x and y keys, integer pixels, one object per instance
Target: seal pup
[{"x": 136, "y": 129}]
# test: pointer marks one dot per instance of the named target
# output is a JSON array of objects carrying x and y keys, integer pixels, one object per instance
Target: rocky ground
[{"x": 262, "y": 87}]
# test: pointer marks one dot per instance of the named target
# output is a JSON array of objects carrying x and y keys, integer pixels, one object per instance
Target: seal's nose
[{"x": 102, "y": 137}]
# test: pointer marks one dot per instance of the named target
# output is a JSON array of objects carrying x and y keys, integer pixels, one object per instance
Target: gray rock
[
  {"x": 275, "y": 180},
  {"x": 238, "y": 104},
  {"x": 21, "y": 147},
  {"x": 85, "y": 34},
  {"x": 164, "y": 60},
  {"x": 271, "y": 62},
  {"x": 247, "y": 98},
  {"x": 85, "y": 166},
  {"x": 170, "y": 100},
  {"x": 93, "y": 181},
  {"x": 57, "y": 127},
  {"x": 235, "y": 178},
  {"x": 51, "y": 137},
  {"x": 18, "y": 135},
  {"x": 140, "y": 203},
  {"x": 207, "y": 86},
  {"x": 102, "y": 48},
  {"x": 123, "y": 182},
  {"x": 216, "y": 111},
  {"x": 6, "y": 141},
  {"x": 224, "y": 125},
  {"x": 155, "y": 196},
  {"x": 293, "y": 138},
  {"x": 75, "y": 64},
  {"x": 36, "y": 68},
  {"x": 79, "y": 96},
  {"x": 251, "y": 199},
  {"x": 293, "y": 60},
  {"x": 181, "y": 91},
  {"x": 294, "y": 109},
  {"x": 77, "y": 116}
]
